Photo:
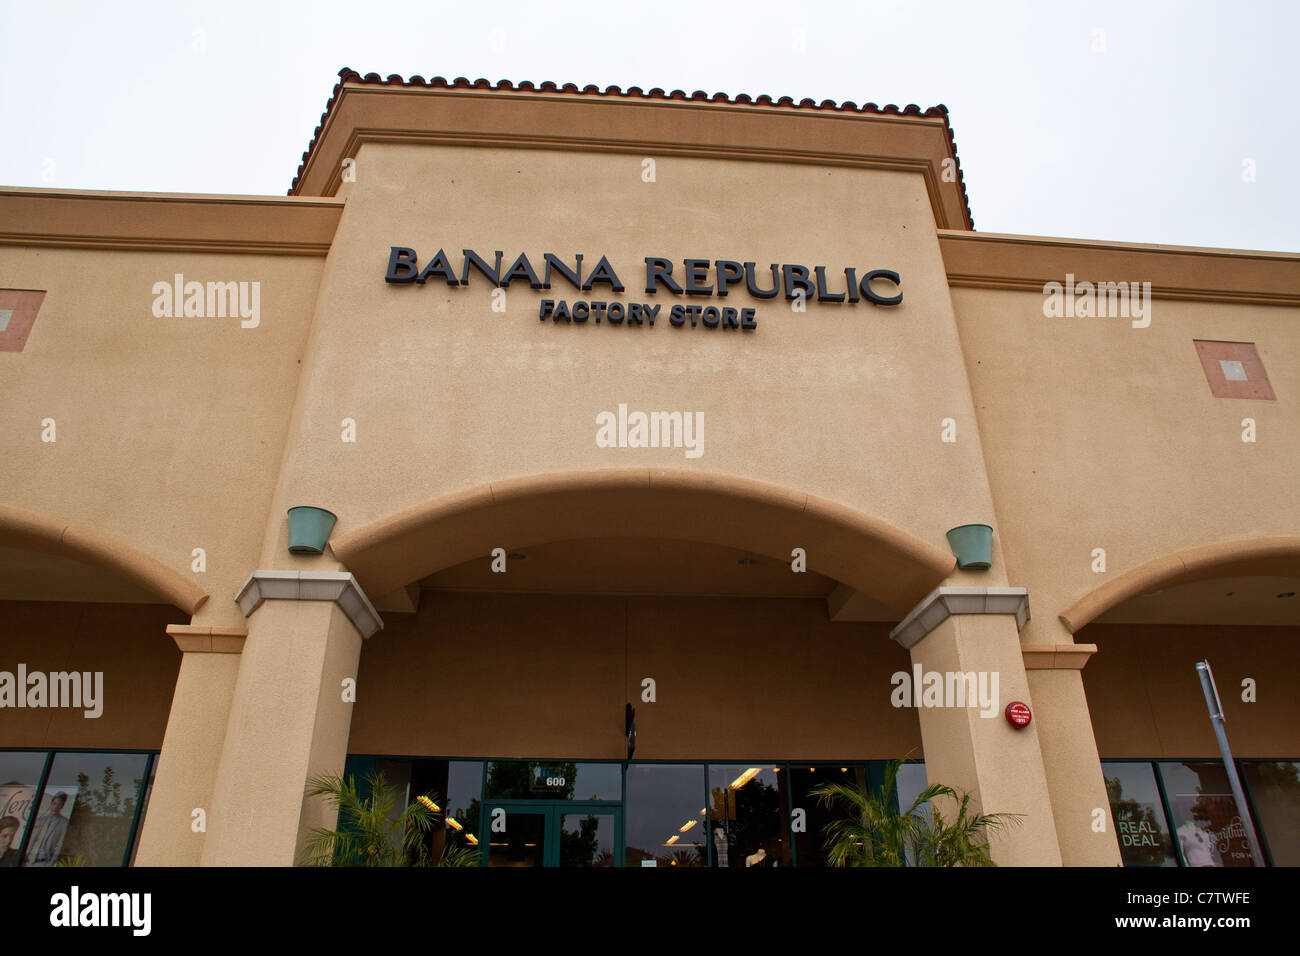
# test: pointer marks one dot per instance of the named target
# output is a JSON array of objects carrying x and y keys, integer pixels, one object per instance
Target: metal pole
[{"x": 1216, "y": 718}]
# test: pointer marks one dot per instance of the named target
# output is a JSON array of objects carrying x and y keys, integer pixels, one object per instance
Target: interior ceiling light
[{"x": 745, "y": 777}]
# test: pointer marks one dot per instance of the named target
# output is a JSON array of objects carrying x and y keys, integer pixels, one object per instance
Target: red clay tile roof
[{"x": 347, "y": 75}]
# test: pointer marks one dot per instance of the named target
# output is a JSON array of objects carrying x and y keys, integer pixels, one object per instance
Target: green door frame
[{"x": 552, "y": 811}]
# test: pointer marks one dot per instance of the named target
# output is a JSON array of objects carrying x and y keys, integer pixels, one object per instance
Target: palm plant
[
  {"x": 455, "y": 855},
  {"x": 873, "y": 833},
  {"x": 369, "y": 832}
]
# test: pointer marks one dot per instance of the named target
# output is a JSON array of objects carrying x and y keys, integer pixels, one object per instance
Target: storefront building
[{"x": 645, "y": 419}]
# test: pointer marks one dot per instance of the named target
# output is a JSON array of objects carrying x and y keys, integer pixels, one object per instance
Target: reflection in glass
[
  {"x": 1275, "y": 792},
  {"x": 87, "y": 809},
  {"x": 454, "y": 786},
  {"x": 664, "y": 817},
  {"x": 747, "y": 810},
  {"x": 1140, "y": 824},
  {"x": 20, "y": 775},
  {"x": 909, "y": 784},
  {"x": 1207, "y": 827},
  {"x": 810, "y": 846},
  {"x": 553, "y": 780},
  {"x": 522, "y": 844},
  {"x": 144, "y": 808},
  {"x": 587, "y": 839}
]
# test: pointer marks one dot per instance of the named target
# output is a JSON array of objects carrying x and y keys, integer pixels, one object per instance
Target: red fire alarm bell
[{"x": 1018, "y": 714}]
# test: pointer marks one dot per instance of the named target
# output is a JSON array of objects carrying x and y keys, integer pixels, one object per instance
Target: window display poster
[
  {"x": 50, "y": 828},
  {"x": 1209, "y": 830}
]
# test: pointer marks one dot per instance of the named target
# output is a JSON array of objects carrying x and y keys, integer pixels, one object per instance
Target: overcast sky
[{"x": 1139, "y": 121}]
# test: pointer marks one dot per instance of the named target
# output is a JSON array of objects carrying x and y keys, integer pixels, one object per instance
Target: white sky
[{"x": 1144, "y": 140}]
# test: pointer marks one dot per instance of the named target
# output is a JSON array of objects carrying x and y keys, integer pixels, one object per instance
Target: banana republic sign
[{"x": 697, "y": 277}]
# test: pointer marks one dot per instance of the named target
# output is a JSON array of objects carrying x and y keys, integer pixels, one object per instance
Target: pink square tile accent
[
  {"x": 23, "y": 304},
  {"x": 1234, "y": 370}
]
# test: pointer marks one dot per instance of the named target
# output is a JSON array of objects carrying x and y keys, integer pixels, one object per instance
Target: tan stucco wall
[
  {"x": 169, "y": 430},
  {"x": 1100, "y": 435},
  {"x": 126, "y": 642},
  {"x": 484, "y": 675},
  {"x": 1146, "y": 699},
  {"x": 844, "y": 401}
]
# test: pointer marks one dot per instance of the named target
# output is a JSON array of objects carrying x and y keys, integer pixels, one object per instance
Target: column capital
[
  {"x": 943, "y": 602},
  {"x": 202, "y": 639},
  {"x": 1061, "y": 657},
  {"x": 341, "y": 587}
]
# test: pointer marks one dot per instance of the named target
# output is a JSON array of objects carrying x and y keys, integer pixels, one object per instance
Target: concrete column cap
[
  {"x": 943, "y": 602},
  {"x": 337, "y": 586},
  {"x": 207, "y": 639}
]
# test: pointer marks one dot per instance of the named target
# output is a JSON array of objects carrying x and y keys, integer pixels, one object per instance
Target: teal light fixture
[
  {"x": 973, "y": 546},
  {"x": 309, "y": 529}
]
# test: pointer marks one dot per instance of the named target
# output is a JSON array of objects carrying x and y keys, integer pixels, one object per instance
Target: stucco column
[
  {"x": 290, "y": 714},
  {"x": 1084, "y": 828},
  {"x": 970, "y": 630},
  {"x": 191, "y": 750}
]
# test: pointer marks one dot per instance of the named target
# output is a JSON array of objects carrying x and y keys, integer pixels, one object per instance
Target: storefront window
[
  {"x": 1275, "y": 792},
  {"x": 586, "y": 839},
  {"x": 553, "y": 780},
  {"x": 1207, "y": 827},
  {"x": 20, "y": 776},
  {"x": 909, "y": 784},
  {"x": 456, "y": 786},
  {"x": 665, "y": 815},
  {"x": 1139, "y": 815},
  {"x": 810, "y": 842},
  {"x": 87, "y": 809},
  {"x": 748, "y": 810}
]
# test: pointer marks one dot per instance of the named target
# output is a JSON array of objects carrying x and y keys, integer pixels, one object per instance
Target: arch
[
  {"x": 842, "y": 543},
  {"x": 39, "y": 532},
  {"x": 1251, "y": 556}
]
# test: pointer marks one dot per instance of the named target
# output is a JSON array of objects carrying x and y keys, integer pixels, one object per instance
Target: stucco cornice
[
  {"x": 1027, "y": 263},
  {"x": 654, "y": 123},
  {"x": 166, "y": 222}
]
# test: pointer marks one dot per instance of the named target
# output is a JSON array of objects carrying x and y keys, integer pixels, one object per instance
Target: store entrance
[{"x": 551, "y": 833}]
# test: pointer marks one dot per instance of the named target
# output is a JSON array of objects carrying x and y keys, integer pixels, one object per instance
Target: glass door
[
  {"x": 516, "y": 836},
  {"x": 546, "y": 833},
  {"x": 589, "y": 836}
]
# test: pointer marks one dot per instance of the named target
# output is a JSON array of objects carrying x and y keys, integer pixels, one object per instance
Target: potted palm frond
[
  {"x": 873, "y": 833},
  {"x": 370, "y": 831}
]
